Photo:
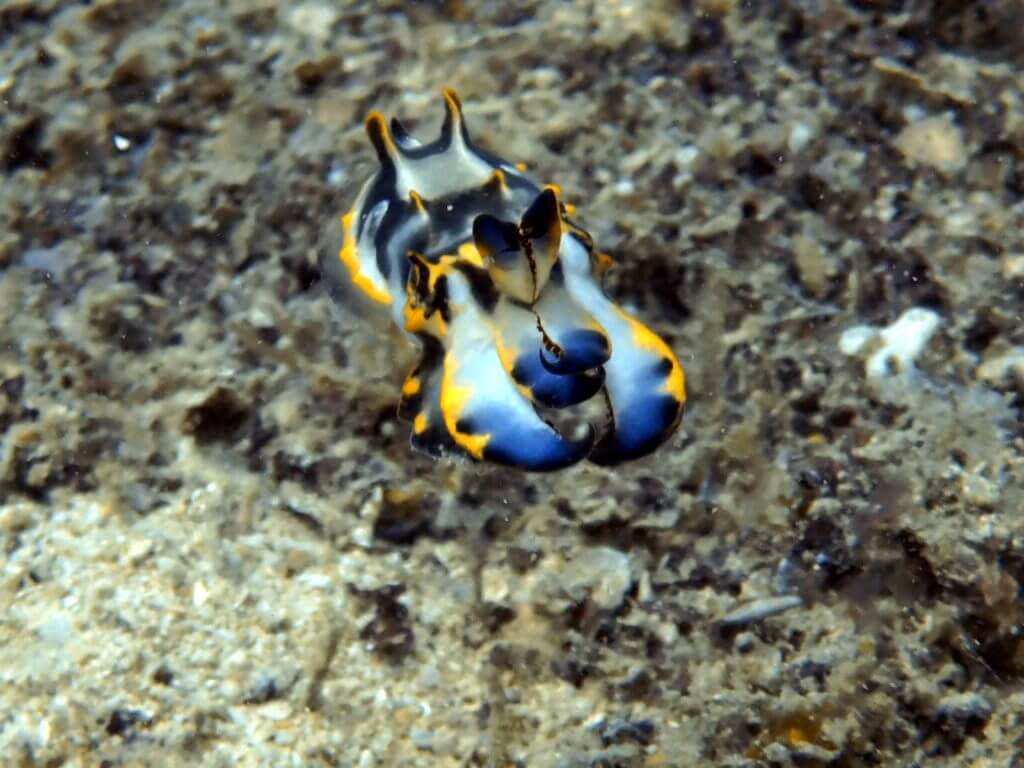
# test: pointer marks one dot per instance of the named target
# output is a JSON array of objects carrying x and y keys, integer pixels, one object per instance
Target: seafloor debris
[
  {"x": 892, "y": 350},
  {"x": 502, "y": 291},
  {"x": 760, "y": 609},
  {"x": 935, "y": 142}
]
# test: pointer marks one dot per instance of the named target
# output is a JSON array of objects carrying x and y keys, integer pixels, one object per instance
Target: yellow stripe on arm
[{"x": 454, "y": 399}]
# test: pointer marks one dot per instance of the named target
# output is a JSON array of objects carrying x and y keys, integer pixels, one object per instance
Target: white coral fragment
[{"x": 892, "y": 350}]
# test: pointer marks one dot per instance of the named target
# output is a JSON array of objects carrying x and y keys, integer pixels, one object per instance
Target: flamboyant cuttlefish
[{"x": 502, "y": 291}]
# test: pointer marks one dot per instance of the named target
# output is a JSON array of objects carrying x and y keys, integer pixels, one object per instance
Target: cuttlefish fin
[{"x": 349, "y": 301}]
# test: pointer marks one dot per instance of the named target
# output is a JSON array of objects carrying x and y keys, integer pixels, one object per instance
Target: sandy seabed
[{"x": 218, "y": 548}]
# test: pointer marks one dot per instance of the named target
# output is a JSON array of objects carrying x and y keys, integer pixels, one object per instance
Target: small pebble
[
  {"x": 962, "y": 707},
  {"x": 421, "y": 737},
  {"x": 605, "y": 572},
  {"x": 745, "y": 642},
  {"x": 56, "y": 630},
  {"x": 313, "y": 19},
  {"x": 276, "y": 710},
  {"x": 1004, "y": 369},
  {"x": 933, "y": 141},
  {"x": 800, "y": 134}
]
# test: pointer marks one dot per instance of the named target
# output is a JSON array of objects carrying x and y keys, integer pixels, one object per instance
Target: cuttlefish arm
[
  {"x": 646, "y": 391},
  {"x": 520, "y": 257},
  {"x": 490, "y": 419},
  {"x": 521, "y": 261},
  {"x": 644, "y": 382},
  {"x": 421, "y": 404},
  {"x": 520, "y": 344},
  {"x": 461, "y": 394},
  {"x": 573, "y": 340}
]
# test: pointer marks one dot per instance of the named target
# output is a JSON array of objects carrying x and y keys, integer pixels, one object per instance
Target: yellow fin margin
[{"x": 350, "y": 258}]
